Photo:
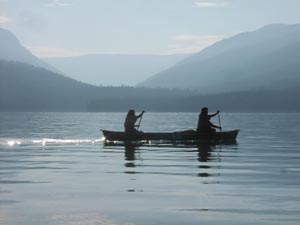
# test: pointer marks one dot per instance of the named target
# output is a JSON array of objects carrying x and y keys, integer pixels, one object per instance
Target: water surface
[{"x": 55, "y": 169}]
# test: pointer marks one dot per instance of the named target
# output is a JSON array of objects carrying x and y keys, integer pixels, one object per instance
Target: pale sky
[{"x": 73, "y": 27}]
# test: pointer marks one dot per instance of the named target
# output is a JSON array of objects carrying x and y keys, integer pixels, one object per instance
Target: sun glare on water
[
  {"x": 49, "y": 141},
  {"x": 13, "y": 143}
]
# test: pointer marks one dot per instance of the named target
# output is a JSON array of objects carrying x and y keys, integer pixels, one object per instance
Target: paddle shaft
[
  {"x": 138, "y": 126},
  {"x": 219, "y": 122}
]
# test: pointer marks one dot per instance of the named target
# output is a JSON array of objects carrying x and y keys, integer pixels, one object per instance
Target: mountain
[
  {"x": 27, "y": 87},
  {"x": 24, "y": 87},
  {"x": 113, "y": 69},
  {"x": 12, "y": 50},
  {"x": 268, "y": 58}
]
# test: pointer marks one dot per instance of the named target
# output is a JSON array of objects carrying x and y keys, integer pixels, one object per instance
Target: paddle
[
  {"x": 220, "y": 131},
  {"x": 138, "y": 126},
  {"x": 219, "y": 122}
]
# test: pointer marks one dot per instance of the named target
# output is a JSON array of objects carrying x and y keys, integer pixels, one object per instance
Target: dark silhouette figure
[
  {"x": 204, "y": 124},
  {"x": 130, "y": 121}
]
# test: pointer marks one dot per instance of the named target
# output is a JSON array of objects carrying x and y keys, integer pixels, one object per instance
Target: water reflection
[
  {"x": 205, "y": 155},
  {"x": 208, "y": 156},
  {"x": 204, "y": 152},
  {"x": 130, "y": 154}
]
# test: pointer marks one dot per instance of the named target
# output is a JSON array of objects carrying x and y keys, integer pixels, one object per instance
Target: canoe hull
[{"x": 189, "y": 135}]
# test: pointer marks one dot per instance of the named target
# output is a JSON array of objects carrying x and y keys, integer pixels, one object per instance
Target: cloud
[
  {"x": 48, "y": 52},
  {"x": 4, "y": 19},
  {"x": 180, "y": 50},
  {"x": 198, "y": 38},
  {"x": 44, "y": 52},
  {"x": 188, "y": 43},
  {"x": 211, "y": 4},
  {"x": 56, "y": 52},
  {"x": 61, "y": 3}
]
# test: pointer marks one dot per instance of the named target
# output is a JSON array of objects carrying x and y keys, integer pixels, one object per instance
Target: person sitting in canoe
[
  {"x": 130, "y": 121},
  {"x": 204, "y": 124}
]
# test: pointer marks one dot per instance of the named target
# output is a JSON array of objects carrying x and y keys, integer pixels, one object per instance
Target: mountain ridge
[
  {"x": 12, "y": 50},
  {"x": 24, "y": 87},
  {"x": 235, "y": 60}
]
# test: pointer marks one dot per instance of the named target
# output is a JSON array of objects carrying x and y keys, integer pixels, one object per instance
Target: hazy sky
[{"x": 73, "y": 27}]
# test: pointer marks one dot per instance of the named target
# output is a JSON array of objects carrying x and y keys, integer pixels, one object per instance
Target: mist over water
[{"x": 55, "y": 169}]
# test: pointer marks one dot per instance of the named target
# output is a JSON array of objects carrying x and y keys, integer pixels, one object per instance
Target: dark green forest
[
  {"x": 25, "y": 87},
  {"x": 252, "y": 101}
]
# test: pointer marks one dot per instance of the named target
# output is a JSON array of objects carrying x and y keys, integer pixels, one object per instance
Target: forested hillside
[
  {"x": 267, "y": 58},
  {"x": 24, "y": 87}
]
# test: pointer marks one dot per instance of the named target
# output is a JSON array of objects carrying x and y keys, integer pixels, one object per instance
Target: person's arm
[
  {"x": 141, "y": 114},
  {"x": 212, "y": 115},
  {"x": 215, "y": 126}
]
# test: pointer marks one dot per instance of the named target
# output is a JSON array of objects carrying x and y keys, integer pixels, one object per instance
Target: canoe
[{"x": 189, "y": 135}]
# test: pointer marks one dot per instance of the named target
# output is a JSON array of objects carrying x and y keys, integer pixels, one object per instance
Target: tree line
[{"x": 25, "y": 87}]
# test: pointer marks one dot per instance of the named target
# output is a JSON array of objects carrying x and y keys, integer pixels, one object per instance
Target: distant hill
[
  {"x": 12, "y": 50},
  {"x": 25, "y": 87},
  {"x": 268, "y": 58},
  {"x": 113, "y": 69}
]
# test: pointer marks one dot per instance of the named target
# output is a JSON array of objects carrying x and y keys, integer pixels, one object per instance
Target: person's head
[
  {"x": 204, "y": 110},
  {"x": 131, "y": 112}
]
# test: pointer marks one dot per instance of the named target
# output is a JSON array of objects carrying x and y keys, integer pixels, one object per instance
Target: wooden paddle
[
  {"x": 219, "y": 122},
  {"x": 138, "y": 126}
]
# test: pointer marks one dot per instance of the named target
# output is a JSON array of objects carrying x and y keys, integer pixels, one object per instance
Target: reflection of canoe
[
  {"x": 188, "y": 135},
  {"x": 189, "y": 144}
]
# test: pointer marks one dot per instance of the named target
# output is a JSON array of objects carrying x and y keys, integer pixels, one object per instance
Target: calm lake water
[{"x": 55, "y": 169}]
